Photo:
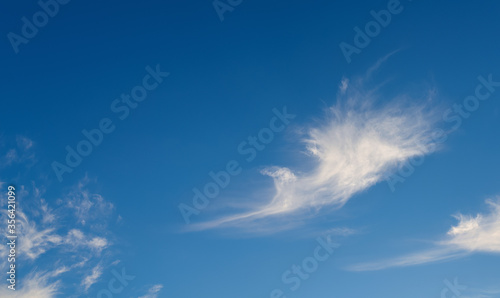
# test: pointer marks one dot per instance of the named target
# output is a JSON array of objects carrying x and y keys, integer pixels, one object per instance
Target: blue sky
[{"x": 373, "y": 169}]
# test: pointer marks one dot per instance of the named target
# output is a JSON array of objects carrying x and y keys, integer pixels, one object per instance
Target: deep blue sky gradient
[{"x": 225, "y": 79}]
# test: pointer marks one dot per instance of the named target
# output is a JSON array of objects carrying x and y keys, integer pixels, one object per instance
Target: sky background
[{"x": 119, "y": 208}]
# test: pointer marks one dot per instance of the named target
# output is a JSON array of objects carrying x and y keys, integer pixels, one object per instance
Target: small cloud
[
  {"x": 77, "y": 240},
  {"x": 87, "y": 206},
  {"x": 379, "y": 63},
  {"x": 480, "y": 233},
  {"x": 24, "y": 143},
  {"x": 344, "y": 83},
  {"x": 11, "y": 157},
  {"x": 428, "y": 256},
  {"x": 75, "y": 236},
  {"x": 153, "y": 291},
  {"x": 92, "y": 278},
  {"x": 60, "y": 271},
  {"x": 98, "y": 243},
  {"x": 472, "y": 234},
  {"x": 21, "y": 154},
  {"x": 48, "y": 215},
  {"x": 115, "y": 263}
]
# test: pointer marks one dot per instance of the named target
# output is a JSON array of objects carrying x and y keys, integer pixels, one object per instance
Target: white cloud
[
  {"x": 153, "y": 292},
  {"x": 34, "y": 241},
  {"x": 64, "y": 269},
  {"x": 60, "y": 271},
  {"x": 24, "y": 143},
  {"x": 344, "y": 83},
  {"x": 472, "y": 234},
  {"x": 55, "y": 238},
  {"x": 98, "y": 243},
  {"x": 477, "y": 234},
  {"x": 355, "y": 146},
  {"x": 33, "y": 285},
  {"x": 11, "y": 156},
  {"x": 428, "y": 256},
  {"x": 116, "y": 262},
  {"x": 47, "y": 213},
  {"x": 22, "y": 153},
  {"x": 77, "y": 240},
  {"x": 87, "y": 206},
  {"x": 92, "y": 278}
]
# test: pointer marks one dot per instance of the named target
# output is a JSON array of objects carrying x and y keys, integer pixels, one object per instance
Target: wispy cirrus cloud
[
  {"x": 77, "y": 239},
  {"x": 480, "y": 233},
  {"x": 359, "y": 141},
  {"x": 58, "y": 240},
  {"x": 87, "y": 206},
  {"x": 153, "y": 291},
  {"x": 35, "y": 240},
  {"x": 92, "y": 278},
  {"x": 21, "y": 153},
  {"x": 472, "y": 234},
  {"x": 35, "y": 284}
]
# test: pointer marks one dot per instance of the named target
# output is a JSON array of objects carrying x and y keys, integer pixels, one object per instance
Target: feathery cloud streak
[
  {"x": 356, "y": 145},
  {"x": 472, "y": 234}
]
